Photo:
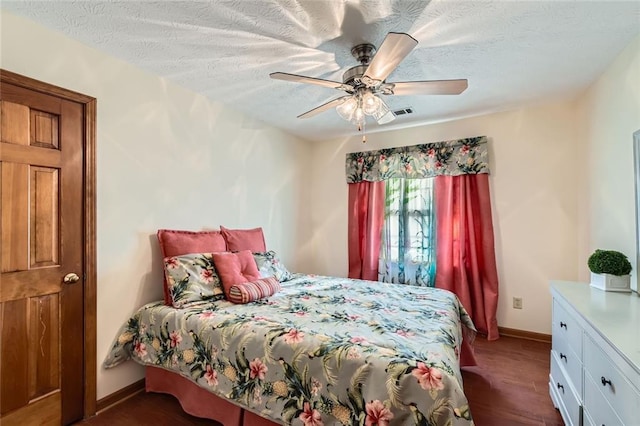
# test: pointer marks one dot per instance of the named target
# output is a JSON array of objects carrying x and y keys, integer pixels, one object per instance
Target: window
[{"x": 407, "y": 254}]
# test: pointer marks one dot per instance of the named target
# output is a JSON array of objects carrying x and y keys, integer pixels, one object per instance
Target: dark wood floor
[{"x": 508, "y": 388}]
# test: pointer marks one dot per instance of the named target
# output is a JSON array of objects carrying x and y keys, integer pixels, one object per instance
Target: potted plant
[{"x": 610, "y": 270}]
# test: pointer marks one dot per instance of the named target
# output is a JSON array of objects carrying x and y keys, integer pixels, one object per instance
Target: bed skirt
[{"x": 199, "y": 402}]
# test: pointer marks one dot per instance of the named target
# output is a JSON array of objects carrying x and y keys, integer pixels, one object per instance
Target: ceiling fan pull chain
[{"x": 364, "y": 134}]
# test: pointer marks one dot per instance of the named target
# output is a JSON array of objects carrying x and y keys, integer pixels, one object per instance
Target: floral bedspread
[{"x": 323, "y": 351}]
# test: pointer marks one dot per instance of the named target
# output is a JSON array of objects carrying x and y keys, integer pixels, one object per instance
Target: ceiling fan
[{"x": 365, "y": 82}]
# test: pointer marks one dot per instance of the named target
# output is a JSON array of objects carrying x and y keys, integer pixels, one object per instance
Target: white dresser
[{"x": 595, "y": 355}]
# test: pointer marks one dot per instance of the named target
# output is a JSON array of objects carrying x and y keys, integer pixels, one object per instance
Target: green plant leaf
[{"x": 609, "y": 262}]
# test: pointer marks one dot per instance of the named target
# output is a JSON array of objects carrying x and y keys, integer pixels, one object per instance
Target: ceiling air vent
[{"x": 403, "y": 111}]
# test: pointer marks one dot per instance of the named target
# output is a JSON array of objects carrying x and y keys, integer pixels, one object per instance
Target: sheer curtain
[{"x": 407, "y": 254}]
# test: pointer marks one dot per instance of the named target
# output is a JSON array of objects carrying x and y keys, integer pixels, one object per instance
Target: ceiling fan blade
[
  {"x": 394, "y": 48},
  {"x": 317, "y": 110},
  {"x": 433, "y": 87},
  {"x": 310, "y": 80}
]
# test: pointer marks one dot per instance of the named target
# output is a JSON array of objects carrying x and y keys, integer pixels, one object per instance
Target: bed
[{"x": 322, "y": 351}]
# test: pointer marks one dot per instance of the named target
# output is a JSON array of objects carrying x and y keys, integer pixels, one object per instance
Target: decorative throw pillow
[
  {"x": 235, "y": 268},
  {"x": 192, "y": 278},
  {"x": 253, "y": 290},
  {"x": 244, "y": 239},
  {"x": 270, "y": 266},
  {"x": 176, "y": 243}
]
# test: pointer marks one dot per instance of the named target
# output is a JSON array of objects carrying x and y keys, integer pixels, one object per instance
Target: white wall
[
  {"x": 167, "y": 158},
  {"x": 535, "y": 190},
  {"x": 609, "y": 113}
]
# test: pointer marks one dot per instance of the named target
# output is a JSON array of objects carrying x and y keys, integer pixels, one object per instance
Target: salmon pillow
[
  {"x": 235, "y": 268},
  {"x": 244, "y": 239},
  {"x": 253, "y": 290}
]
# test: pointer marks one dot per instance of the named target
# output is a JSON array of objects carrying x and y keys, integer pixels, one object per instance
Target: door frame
[{"x": 89, "y": 229}]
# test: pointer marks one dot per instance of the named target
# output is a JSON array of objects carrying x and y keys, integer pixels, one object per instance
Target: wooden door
[{"x": 42, "y": 218}]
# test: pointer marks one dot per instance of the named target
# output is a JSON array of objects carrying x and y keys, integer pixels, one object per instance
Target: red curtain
[
  {"x": 466, "y": 261},
  {"x": 366, "y": 216}
]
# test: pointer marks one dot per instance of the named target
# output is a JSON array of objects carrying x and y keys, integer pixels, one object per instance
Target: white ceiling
[{"x": 512, "y": 52}]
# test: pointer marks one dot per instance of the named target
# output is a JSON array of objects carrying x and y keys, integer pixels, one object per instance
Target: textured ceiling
[{"x": 511, "y": 52}]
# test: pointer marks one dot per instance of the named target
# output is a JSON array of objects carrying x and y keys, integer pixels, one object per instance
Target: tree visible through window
[{"x": 407, "y": 253}]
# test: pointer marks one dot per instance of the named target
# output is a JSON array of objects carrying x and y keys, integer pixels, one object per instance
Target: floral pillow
[
  {"x": 192, "y": 278},
  {"x": 270, "y": 266},
  {"x": 176, "y": 243}
]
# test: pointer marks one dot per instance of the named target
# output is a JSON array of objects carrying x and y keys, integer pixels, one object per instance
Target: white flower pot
[{"x": 609, "y": 282}]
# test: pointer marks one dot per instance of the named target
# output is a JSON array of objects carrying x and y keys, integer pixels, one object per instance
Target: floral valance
[{"x": 451, "y": 158}]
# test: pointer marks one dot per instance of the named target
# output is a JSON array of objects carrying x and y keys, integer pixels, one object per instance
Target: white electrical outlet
[{"x": 517, "y": 303}]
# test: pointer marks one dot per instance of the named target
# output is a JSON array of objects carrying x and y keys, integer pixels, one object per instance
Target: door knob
[{"x": 71, "y": 278}]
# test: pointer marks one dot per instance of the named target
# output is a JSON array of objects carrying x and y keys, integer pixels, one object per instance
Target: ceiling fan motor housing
[
  {"x": 363, "y": 52},
  {"x": 353, "y": 74}
]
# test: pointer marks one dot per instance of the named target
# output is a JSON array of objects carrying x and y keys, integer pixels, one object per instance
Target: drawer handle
[
  {"x": 560, "y": 387},
  {"x": 563, "y": 324},
  {"x": 605, "y": 382},
  {"x": 563, "y": 356}
]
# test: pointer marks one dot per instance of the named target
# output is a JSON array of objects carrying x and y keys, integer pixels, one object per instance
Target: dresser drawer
[
  {"x": 563, "y": 393},
  {"x": 586, "y": 419},
  {"x": 597, "y": 411},
  {"x": 609, "y": 383},
  {"x": 566, "y": 327},
  {"x": 569, "y": 361}
]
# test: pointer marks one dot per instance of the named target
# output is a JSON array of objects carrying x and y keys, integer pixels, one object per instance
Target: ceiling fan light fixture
[
  {"x": 386, "y": 118},
  {"x": 370, "y": 103},
  {"x": 358, "y": 117},
  {"x": 364, "y": 103},
  {"x": 347, "y": 108},
  {"x": 383, "y": 112}
]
